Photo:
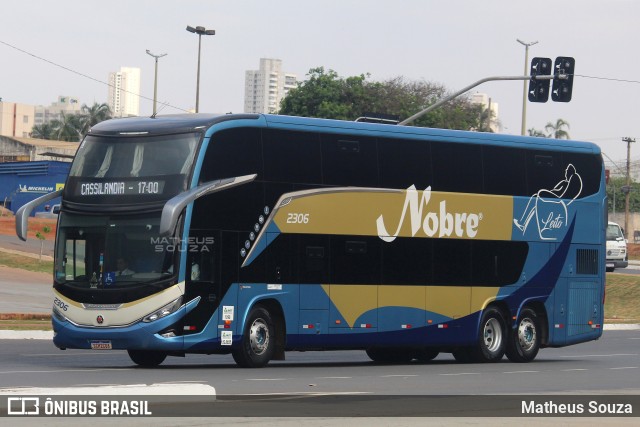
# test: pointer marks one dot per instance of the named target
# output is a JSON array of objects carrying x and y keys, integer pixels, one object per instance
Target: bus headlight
[{"x": 164, "y": 311}]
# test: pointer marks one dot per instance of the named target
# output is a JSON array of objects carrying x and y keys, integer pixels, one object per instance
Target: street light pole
[
  {"x": 524, "y": 87},
  {"x": 627, "y": 229},
  {"x": 155, "y": 80},
  {"x": 200, "y": 31}
]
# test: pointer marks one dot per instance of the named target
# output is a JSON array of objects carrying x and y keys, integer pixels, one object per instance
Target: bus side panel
[{"x": 556, "y": 306}]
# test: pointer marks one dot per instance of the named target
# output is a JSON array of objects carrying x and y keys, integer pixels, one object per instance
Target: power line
[
  {"x": 608, "y": 78},
  {"x": 86, "y": 76}
]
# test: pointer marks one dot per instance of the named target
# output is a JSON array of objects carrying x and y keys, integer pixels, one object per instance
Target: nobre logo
[
  {"x": 440, "y": 223},
  {"x": 23, "y": 406}
]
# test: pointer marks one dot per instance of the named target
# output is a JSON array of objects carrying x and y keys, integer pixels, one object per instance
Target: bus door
[{"x": 201, "y": 280}]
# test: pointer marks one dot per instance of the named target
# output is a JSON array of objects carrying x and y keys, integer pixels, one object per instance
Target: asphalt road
[
  {"x": 609, "y": 365},
  {"x": 12, "y": 242}
]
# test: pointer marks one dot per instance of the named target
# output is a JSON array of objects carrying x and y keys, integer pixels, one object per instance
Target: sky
[{"x": 451, "y": 42}]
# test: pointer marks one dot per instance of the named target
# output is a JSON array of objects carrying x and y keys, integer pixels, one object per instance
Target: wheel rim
[
  {"x": 259, "y": 336},
  {"x": 527, "y": 334},
  {"x": 492, "y": 335}
]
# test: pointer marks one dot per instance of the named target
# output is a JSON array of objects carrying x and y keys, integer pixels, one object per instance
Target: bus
[{"x": 255, "y": 235}]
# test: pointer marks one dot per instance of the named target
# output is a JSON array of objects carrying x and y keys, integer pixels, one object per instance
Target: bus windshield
[
  {"x": 105, "y": 157},
  {"x": 111, "y": 251}
]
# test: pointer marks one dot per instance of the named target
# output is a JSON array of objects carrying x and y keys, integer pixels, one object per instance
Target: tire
[
  {"x": 524, "y": 340},
  {"x": 389, "y": 355},
  {"x": 492, "y": 337},
  {"x": 147, "y": 358},
  {"x": 258, "y": 340},
  {"x": 426, "y": 354},
  {"x": 464, "y": 355}
]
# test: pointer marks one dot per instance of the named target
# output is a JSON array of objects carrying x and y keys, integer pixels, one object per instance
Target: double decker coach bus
[{"x": 258, "y": 234}]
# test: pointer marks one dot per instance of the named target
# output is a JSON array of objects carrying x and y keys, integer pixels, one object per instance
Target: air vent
[{"x": 587, "y": 261}]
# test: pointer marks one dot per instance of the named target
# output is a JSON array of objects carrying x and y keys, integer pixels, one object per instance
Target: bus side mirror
[
  {"x": 173, "y": 208},
  {"x": 22, "y": 216}
]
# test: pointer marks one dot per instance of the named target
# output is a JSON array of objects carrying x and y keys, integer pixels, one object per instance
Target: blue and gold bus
[{"x": 260, "y": 234}]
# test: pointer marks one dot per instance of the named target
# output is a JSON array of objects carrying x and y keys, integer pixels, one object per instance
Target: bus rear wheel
[
  {"x": 147, "y": 358},
  {"x": 258, "y": 340},
  {"x": 524, "y": 340}
]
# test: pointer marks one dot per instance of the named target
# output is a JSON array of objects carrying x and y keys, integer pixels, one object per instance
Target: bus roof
[
  {"x": 162, "y": 125},
  {"x": 181, "y": 123}
]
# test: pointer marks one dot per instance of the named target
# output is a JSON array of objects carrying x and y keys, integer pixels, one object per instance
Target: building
[
  {"x": 486, "y": 102},
  {"x": 22, "y": 182},
  {"x": 16, "y": 120},
  {"x": 14, "y": 149},
  {"x": 266, "y": 87},
  {"x": 124, "y": 92},
  {"x": 65, "y": 104}
]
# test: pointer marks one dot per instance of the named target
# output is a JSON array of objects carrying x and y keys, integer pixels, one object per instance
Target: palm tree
[
  {"x": 67, "y": 128},
  {"x": 43, "y": 131},
  {"x": 93, "y": 115},
  {"x": 557, "y": 129}
]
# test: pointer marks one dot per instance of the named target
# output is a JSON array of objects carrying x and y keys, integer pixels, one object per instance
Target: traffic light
[
  {"x": 539, "y": 89},
  {"x": 563, "y": 70}
]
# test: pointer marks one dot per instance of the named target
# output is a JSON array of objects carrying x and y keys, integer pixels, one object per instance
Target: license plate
[{"x": 101, "y": 345}]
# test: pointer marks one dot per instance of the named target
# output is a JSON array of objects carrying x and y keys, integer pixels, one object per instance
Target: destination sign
[{"x": 119, "y": 188}]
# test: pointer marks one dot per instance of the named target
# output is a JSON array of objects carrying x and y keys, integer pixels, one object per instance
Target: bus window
[{"x": 349, "y": 160}]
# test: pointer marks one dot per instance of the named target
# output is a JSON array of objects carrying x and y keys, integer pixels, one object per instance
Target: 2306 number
[{"x": 297, "y": 218}]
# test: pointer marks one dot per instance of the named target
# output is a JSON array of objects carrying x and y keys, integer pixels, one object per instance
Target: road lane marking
[
  {"x": 576, "y": 369},
  {"x": 462, "y": 373},
  {"x": 266, "y": 379},
  {"x": 602, "y": 355},
  {"x": 520, "y": 372},
  {"x": 625, "y": 367},
  {"x": 390, "y": 376},
  {"x": 334, "y": 378}
]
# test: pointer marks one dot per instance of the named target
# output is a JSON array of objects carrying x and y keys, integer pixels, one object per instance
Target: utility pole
[
  {"x": 155, "y": 80},
  {"x": 627, "y": 229}
]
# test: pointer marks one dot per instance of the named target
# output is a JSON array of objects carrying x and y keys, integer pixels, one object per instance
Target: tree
[
  {"x": 536, "y": 132},
  {"x": 93, "y": 115},
  {"x": 326, "y": 95},
  {"x": 41, "y": 236},
  {"x": 67, "y": 128},
  {"x": 615, "y": 193},
  {"x": 557, "y": 129},
  {"x": 72, "y": 127},
  {"x": 43, "y": 131}
]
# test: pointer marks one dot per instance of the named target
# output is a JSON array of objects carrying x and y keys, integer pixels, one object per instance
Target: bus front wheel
[
  {"x": 524, "y": 340},
  {"x": 258, "y": 340},
  {"x": 492, "y": 340},
  {"x": 147, "y": 358}
]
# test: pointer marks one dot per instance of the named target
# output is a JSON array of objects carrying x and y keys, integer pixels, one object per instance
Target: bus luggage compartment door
[{"x": 584, "y": 308}]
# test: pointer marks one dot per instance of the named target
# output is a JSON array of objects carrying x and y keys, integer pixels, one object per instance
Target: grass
[
  {"x": 622, "y": 297},
  {"x": 26, "y": 325},
  {"x": 26, "y": 263}
]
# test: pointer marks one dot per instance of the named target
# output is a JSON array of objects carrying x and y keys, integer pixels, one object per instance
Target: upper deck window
[{"x": 108, "y": 157}]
